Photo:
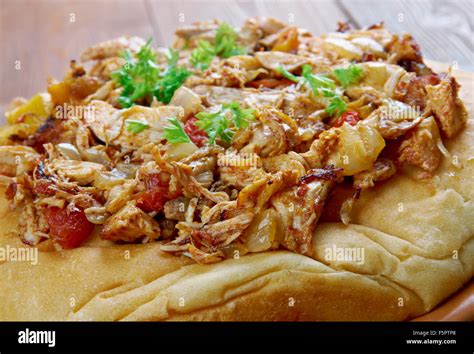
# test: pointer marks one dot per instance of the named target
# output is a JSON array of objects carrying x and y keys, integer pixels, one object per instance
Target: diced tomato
[
  {"x": 157, "y": 193},
  {"x": 69, "y": 227},
  {"x": 197, "y": 136},
  {"x": 351, "y": 117},
  {"x": 11, "y": 190},
  {"x": 43, "y": 186},
  {"x": 152, "y": 200}
]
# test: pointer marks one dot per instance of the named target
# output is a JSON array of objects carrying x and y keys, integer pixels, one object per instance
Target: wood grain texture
[
  {"x": 45, "y": 35},
  {"x": 444, "y": 29}
]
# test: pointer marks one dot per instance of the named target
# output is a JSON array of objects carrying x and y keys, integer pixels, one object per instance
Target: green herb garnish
[
  {"x": 320, "y": 85},
  {"x": 224, "y": 46},
  {"x": 175, "y": 133},
  {"x": 135, "y": 126},
  {"x": 336, "y": 107},
  {"x": 287, "y": 74},
  {"x": 137, "y": 77},
  {"x": 219, "y": 124},
  {"x": 225, "y": 42},
  {"x": 202, "y": 55},
  {"x": 140, "y": 77},
  {"x": 348, "y": 76},
  {"x": 171, "y": 79}
]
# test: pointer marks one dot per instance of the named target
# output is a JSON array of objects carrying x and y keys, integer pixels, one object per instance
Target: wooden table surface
[{"x": 39, "y": 37}]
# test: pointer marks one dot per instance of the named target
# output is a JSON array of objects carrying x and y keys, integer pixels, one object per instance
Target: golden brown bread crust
[{"x": 418, "y": 247}]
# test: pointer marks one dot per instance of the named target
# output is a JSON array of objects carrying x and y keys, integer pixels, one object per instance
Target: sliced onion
[
  {"x": 108, "y": 180},
  {"x": 177, "y": 152},
  {"x": 260, "y": 235},
  {"x": 96, "y": 215},
  {"x": 188, "y": 99},
  {"x": 97, "y": 154},
  {"x": 69, "y": 151},
  {"x": 205, "y": 179},
  {"x": 128, "y": 170}
]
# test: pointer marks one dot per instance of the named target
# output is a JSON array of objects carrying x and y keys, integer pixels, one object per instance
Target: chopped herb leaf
[
  {"x": 287, "y": 74},
  {"x": 225, "y": 42},
  {"x": 175, "y": 133},
  {"x": 224, "y": 46},
  {"x": 202, "y": 55},
  {"x": 140, "y": 77},
  {"x": 135, "y": 126},
  {"x": 348, "y": 76},
  {"x": 219, "y": 124},
  {"x": 318, "y": 83},
  {"x": 241, "y": 117},
  {"x": 336, "y": 107}
]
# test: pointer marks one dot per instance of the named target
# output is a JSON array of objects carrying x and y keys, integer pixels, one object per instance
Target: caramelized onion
[
  {"x": 69, "y": 151},
  {"x": 260, "y": 235}
]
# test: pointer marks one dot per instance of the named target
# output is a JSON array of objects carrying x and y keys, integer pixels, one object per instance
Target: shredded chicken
[
  {"x": 382, "y": 170},
  {"x": 300, "y": 207},
  {"x": 231, "y": 146},
  {"x": 420, "y": 148},
  {"x": 446, "y": 106},
  {"x": 130, "y": 224}
]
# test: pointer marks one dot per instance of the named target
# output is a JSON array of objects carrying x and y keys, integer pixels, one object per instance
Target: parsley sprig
[
  {"x": 348, "y": 76},
  {"x": 318, "y": 83},
  {"x": 140, "y": 77},
  {"x": 322, "y": 85},
  {"x": 221, "y": 123},
  {"x": 175, "y": 133},
  {"x": 135, "y": 126},
  {"x": 224, "y": 46},
  {"x": 336, "y": 107},
  {"x": 171, "y": 79}
]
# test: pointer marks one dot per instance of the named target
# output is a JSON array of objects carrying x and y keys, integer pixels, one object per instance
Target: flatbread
[{"x": 417, "y": 239}]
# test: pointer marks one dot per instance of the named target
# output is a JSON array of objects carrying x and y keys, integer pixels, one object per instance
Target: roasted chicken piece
[
  {"x": 116, "y": 127},
  {"x": 239, "y": 170},
  {"x": 275, "y": 135},
  {"x": 256, "y": 195},
  {"x": 130, "y": 224},
  {"x": 192, "y": 187},
  {"x": 404, "y": 47},
  {"x": 413, "y": 91},
  {"x": 382, "y": 170},
  {"x": 394, "y": 118},
  {"x": 300, "y": 207},
  {"x": 420, "y": 148},
  {"x": 81, "y": 172},
  {"x": 446, "y": 106},
  {"x": 291, "y": 162}
]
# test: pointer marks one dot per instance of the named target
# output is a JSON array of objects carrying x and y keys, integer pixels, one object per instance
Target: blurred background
[{"x": 40, "y": 37}]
